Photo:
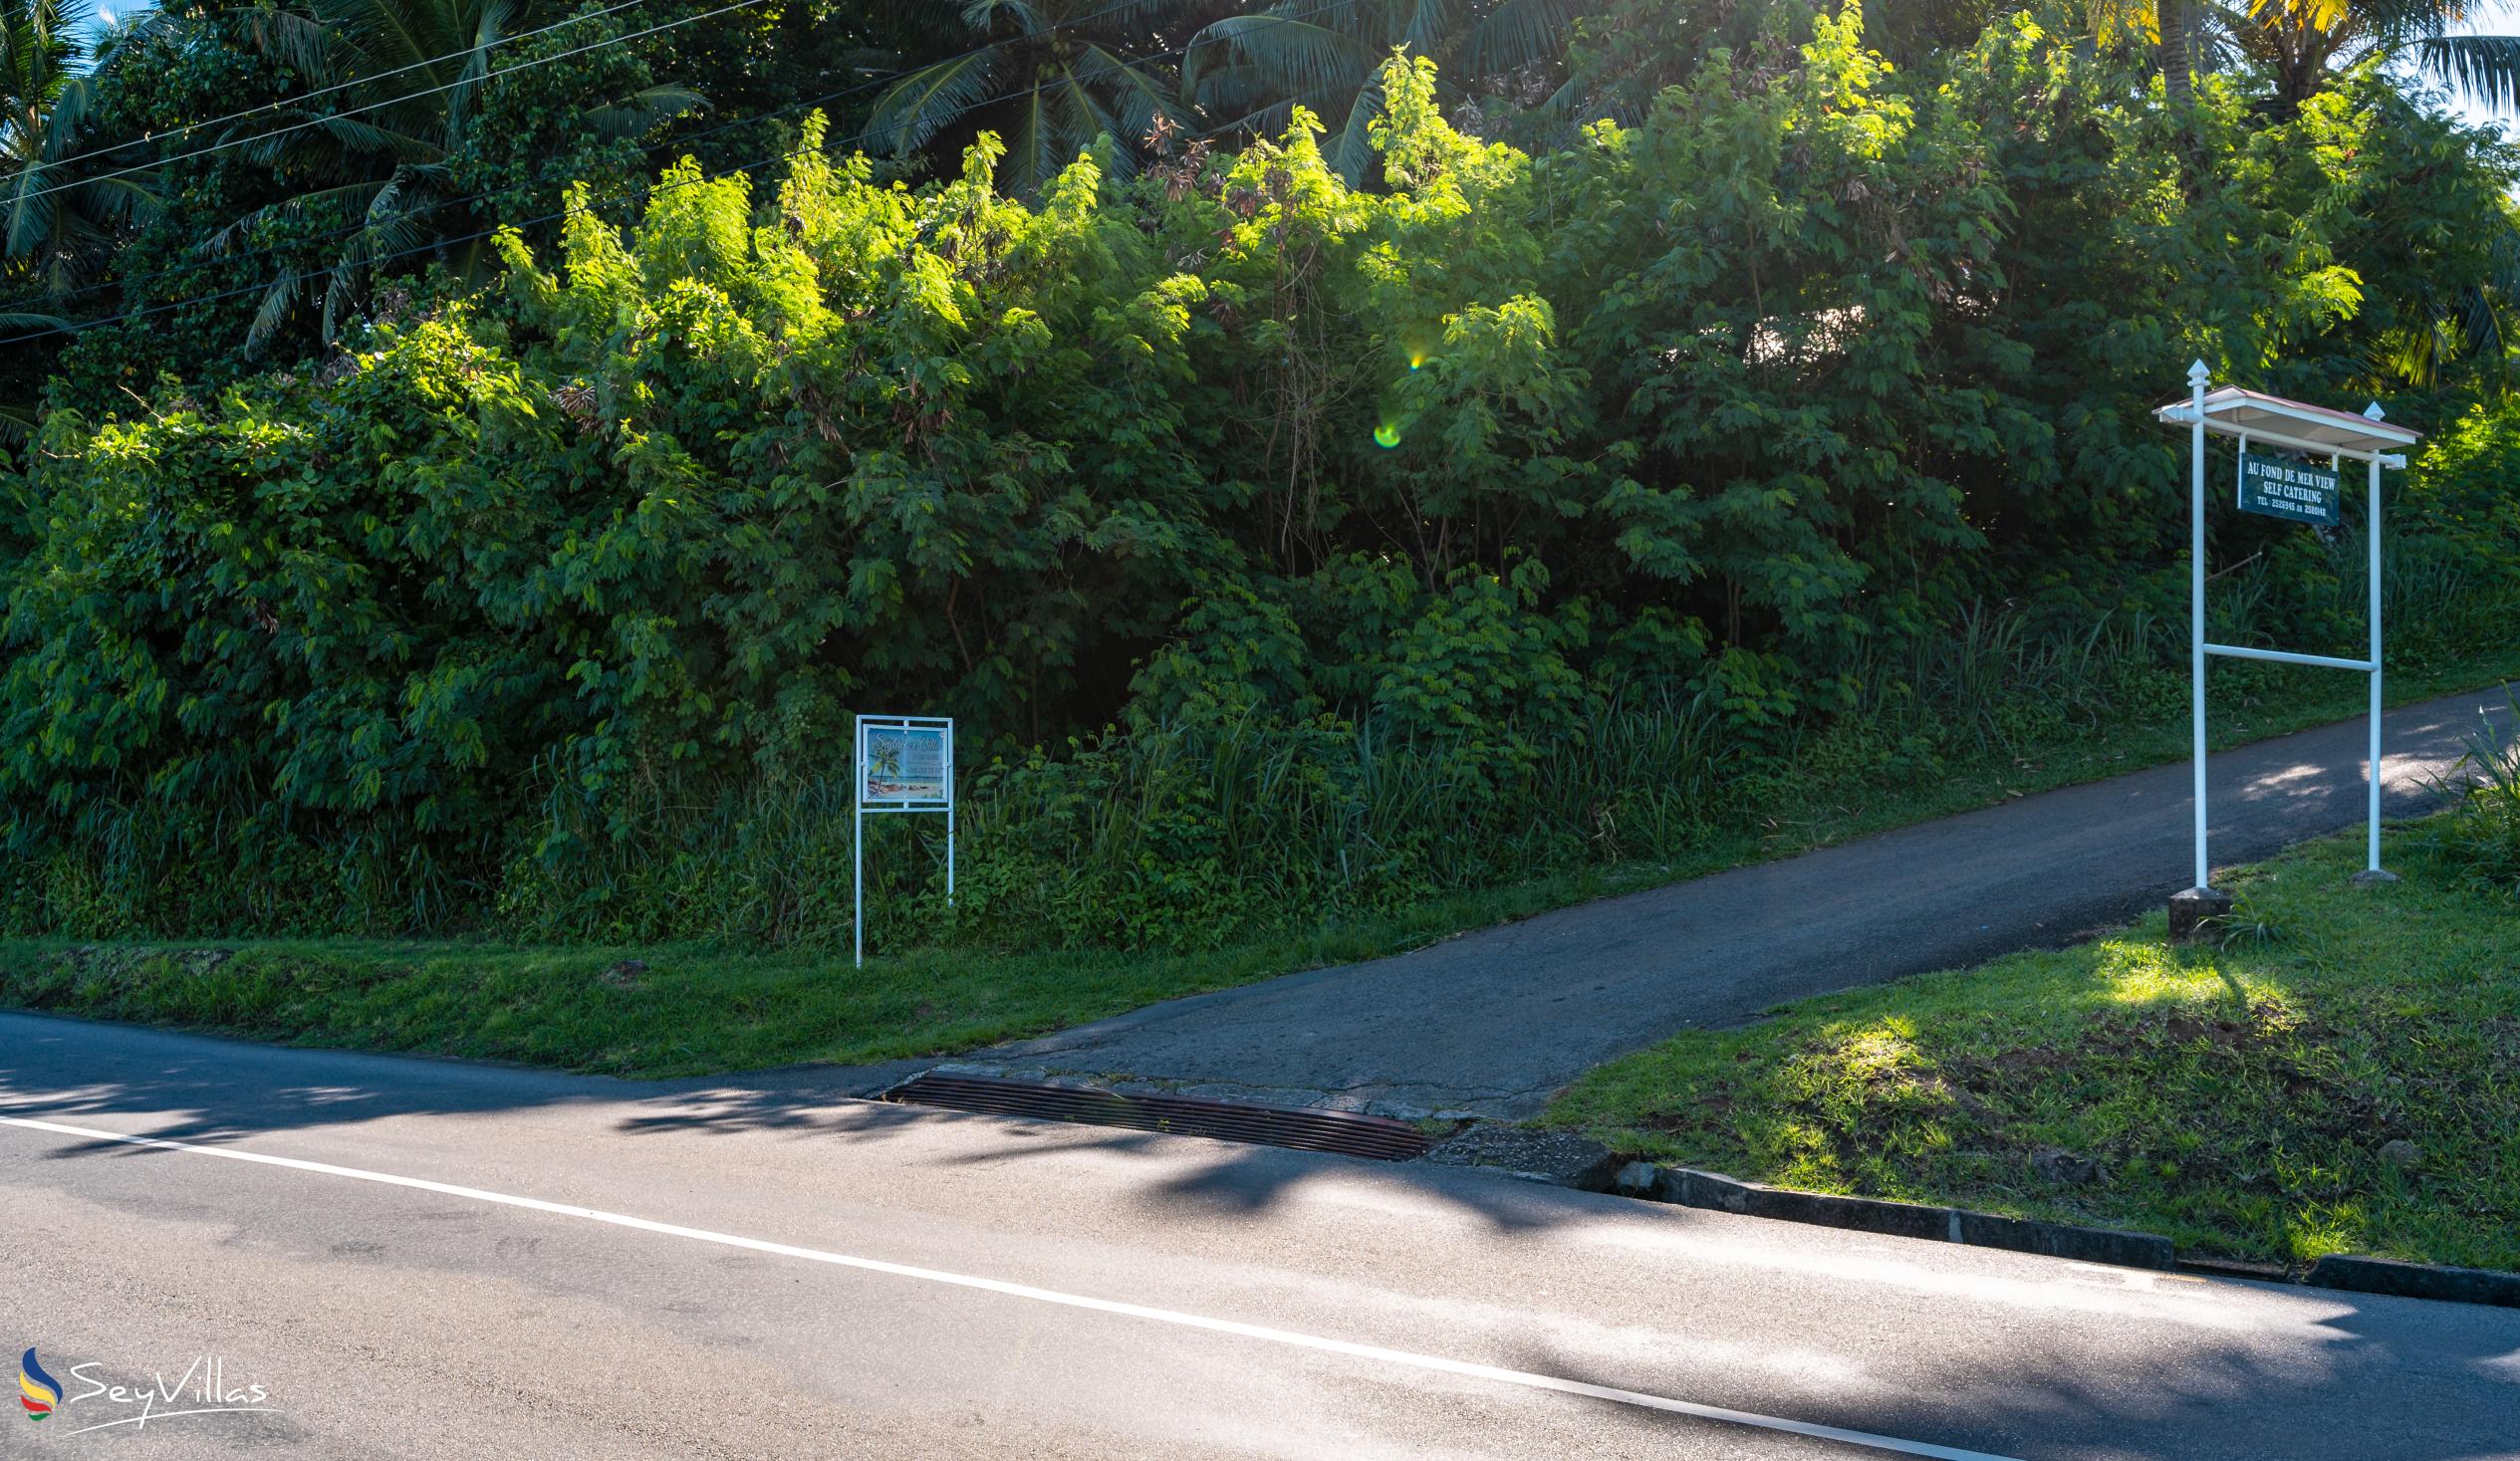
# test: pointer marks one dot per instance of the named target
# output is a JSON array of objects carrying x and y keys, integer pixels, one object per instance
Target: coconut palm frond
[
  {"x": 354, "y": 134},
  {"x": 1229, "y": 92},
  {"x": 1518, "y": 33},
  {"x": 33, "y": 215},
  {"x": 1137, "y": 98},
  {"x": 2483, "y": 310},
  {"x": 2483, "y": 68},
  {"x": 382, "y": 34},
  {"x": 1032, "y": 139},
  {"x": 130, "y": 198},
  {"x": 2323, "y": 15},
  {"x": 1430, "y": 24},
  {"x": 2117, "y": 21},
  {"x": 918, "y": 106},
  {"x": 1306, "y": 57},
  {"x": 304, "y": 44},
  {"x": 1083, "y": 118},
  {"x": 344, "y": 200},
  {"x": 1351, "y": 151},
  {"x": 17, "y": 422},
  {"x": 273, "y": 312},
  {"x": 641, "y": 111},
  {"x": 1021, "y": 17}
]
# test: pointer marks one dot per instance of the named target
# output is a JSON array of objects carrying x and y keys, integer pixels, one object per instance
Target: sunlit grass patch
[{"x": 2349, "y": 1083}]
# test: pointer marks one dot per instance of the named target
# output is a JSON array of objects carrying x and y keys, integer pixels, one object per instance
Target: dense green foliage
[{"x": 1287, "y": 545}]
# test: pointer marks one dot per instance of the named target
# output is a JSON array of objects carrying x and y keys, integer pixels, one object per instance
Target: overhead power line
[
  {"x": 201, "y": 262},
  {"x": 330, "y": 118},
  {"x": 1119, "y": 64},
  {"x": 303, "y": 98}
]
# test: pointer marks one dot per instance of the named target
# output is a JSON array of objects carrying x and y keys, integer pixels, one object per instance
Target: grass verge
[
  {"x": 676, "y": 1010},
  {"x": 2341, "y": 1075}
]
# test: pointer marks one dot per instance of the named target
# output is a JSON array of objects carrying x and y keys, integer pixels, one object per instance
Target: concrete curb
[
  {"x": 2414, "y": 1280},
  {"x": 1567, "y": 1159},
  {"x": 1688, "y": 1187}
]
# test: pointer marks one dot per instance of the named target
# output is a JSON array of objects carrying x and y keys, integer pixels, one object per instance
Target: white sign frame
[
  {"x": 860, "y": 769},
  {"x": 2314, "y": 432}
]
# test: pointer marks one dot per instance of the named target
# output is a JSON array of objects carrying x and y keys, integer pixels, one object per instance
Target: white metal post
[
  {"x": 2197, "y": 378},
  {"x": 949, "y": 842},
  {"x": 2371, "y": 530}
]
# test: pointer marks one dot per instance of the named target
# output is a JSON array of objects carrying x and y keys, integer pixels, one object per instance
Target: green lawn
[{"x": 2237, "y": 1099}]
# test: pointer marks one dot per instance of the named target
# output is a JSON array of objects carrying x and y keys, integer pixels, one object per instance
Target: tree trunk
[{"x": 2179, "y": 50}]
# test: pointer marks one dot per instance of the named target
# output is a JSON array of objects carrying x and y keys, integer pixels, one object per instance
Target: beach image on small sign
[{"x": 905, "y": 762}]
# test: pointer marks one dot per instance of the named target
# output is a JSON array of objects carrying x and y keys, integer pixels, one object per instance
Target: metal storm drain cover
[{"x": 1344, "y": 1133}]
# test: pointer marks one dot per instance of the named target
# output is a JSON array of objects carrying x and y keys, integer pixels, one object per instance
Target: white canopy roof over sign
[{"x": 2299, "y": 426}]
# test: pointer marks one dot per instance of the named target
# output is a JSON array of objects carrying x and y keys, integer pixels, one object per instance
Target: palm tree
[
  {"x": 2180, "y": 32},
  {"x": 1047, "y": 76},
  {"x": 63, "y": 221},
  {"x": 1254, "y": 70},
  {"x": 385, "y": 156},
  {"x": 2301, "y": 43}
]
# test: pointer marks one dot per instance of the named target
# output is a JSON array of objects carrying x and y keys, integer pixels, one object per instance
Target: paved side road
[
  {"x": 428, "y": 1260},
  {"x": 1493, "y": 1022}
]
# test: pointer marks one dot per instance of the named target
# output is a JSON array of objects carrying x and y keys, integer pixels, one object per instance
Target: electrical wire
[
  {"x": 1119, "y": 64},
  {"x": 331, "y": 117},
  {"x": 303, "y": 98},
  {"x": 201, "y": 262}
]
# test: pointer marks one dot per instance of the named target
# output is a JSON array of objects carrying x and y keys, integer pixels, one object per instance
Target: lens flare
[{"x": 1386, "y": 436}]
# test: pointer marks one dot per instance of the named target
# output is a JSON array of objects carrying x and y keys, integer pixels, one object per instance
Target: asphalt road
[
  {"x": 423, "y": 1259},
  {"x": 1493, "y": 1022}
]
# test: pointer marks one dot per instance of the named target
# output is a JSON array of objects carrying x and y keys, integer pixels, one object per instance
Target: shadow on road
[{"x": 2318, "y": 1377}]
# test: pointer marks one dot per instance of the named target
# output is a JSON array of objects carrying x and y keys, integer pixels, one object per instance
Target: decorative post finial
[
  {"x": 2197, "y": 374},
  {"x": 2372, "y": 412}
]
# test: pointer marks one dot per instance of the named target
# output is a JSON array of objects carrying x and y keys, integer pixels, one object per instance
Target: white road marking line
[{"x": 1289, "y": 1338}]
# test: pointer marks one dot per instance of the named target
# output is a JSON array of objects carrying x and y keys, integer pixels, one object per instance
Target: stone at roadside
[
  {"x": 2065, "y": 1168},
  {"x": 2197, "y": 914},
  {"x": 2401, "y": 1155},
  {"x": 1636, "y": 1180},
  {"x": 1534, "y": 1154}
]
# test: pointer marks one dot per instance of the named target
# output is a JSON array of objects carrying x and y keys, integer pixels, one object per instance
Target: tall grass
[
  {"x": 1996, "y": 682},
  {"x": 2481, "y": 839},
  {"x": 1192, "y": 836},
  {"x": 1176, "y": 837},
  {"x": 1188, "y": 836}
]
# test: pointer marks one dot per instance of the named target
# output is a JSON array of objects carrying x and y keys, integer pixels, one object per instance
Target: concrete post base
[
  {"x": 2373, "y": 877},
  {"x": 2192, "y": 914}
]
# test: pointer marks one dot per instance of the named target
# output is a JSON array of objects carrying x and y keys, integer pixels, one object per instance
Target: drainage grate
[{"x": 1344, "y": 1133}]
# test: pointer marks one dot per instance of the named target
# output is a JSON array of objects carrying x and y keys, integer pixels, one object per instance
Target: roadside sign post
[
  {"x": 902, "y": 763},
  {"x": 2294, "y": 490}
]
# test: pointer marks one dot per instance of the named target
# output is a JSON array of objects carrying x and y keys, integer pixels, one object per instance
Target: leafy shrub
[{"x": 1284, "y": 547}]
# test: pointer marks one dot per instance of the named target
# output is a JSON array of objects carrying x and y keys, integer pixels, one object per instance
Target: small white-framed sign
[{"x": 902, "y": 763}]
